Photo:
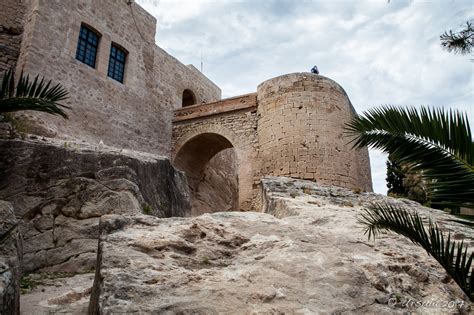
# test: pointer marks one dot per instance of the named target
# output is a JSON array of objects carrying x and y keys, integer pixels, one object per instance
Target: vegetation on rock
[
  {"x": 454, "y": 257},
  {"x": 439, "y": 145},
  {"x": 146, "y": 208}
]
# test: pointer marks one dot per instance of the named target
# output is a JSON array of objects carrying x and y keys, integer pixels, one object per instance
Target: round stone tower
[{"x": 301, "y": 118}]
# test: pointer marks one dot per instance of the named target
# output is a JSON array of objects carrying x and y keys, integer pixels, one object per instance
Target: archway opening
[
  {"x": 188, "y": 98},
  {"x": 210, "y": 163}
]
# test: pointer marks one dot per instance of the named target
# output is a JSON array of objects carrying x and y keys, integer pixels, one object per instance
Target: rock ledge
[{"x": 308, "y": 256}]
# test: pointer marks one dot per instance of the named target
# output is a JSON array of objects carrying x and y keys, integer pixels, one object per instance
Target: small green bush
[
  {"x": 146, "y": 208},
  {"x": 205, "y": 261}
]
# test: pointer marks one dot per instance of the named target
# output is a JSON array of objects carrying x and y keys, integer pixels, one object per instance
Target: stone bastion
[{"x": 301, "y": 131}]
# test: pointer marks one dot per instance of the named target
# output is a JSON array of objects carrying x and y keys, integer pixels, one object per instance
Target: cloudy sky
[{"x": 380, "y": 52}]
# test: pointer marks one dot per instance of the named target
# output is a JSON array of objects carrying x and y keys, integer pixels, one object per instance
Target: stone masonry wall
[
  {"x": 11, "y": 30},
  {"x": 300, "y": 132},
  {"x": 293, "y": 128},
  {"x": 136, "y": 114},
  {"x": 239, "y": 128}
]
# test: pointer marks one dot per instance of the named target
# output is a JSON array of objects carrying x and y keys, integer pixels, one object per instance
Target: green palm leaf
[
  {"x": 455, "y": 258},
  {"x": 36, "y": 95},
  {"x": 437, "y": 142}
]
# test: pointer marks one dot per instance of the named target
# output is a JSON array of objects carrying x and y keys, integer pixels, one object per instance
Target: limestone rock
[
  {"x": 217, "y": 190},
  {"x": 55, "y": 293},
  {"x": 61, "y": 190},
  {"x": 306, "y": 255},
  {"x": 10, "y": 260}
]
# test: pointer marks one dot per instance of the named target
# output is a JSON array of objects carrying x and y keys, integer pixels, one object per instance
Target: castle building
[
  {"x": 127, "y": 92},
  {"x": 123, "y": 88}
]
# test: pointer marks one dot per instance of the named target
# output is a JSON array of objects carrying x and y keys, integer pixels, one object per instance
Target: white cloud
[
  {"x": 379, "y": 171},
  {"x": 172, "y": 12},
  {"x": 380, "y": 53}
]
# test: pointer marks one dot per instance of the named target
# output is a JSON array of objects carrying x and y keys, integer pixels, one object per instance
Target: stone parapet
[{"x": 247, "y": 101}]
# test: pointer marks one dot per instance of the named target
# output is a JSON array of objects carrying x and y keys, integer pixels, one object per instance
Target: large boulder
[
  {"x": 60, "y": 190},
  {"x": 10, "y": 260},
  {"x": 308, "y": 255}
]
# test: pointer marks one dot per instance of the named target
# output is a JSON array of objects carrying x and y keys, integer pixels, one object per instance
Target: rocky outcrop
[
  {"x": 308, "y": 254},
  {"x": 56, "y": 293},
  {"x": 61, "y": 190},
  {"x": 10, "y": 260},
  {"x": 218, "y": 188}
]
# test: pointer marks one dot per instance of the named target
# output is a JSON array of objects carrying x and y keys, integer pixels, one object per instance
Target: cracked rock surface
[
  {"x": 57, "y": 294},
  {"x": 307, "y": 255},
  {"x": 60, "y": 191},
  {"x": 10, "y": 260}
]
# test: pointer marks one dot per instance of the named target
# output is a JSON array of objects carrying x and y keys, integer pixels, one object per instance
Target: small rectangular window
[
  {"x": 87, "y": 46},
  {"x": 117, "y": 63}
]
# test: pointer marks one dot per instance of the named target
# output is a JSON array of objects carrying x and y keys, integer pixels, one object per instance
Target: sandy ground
[{"x": 57, "y": 295}]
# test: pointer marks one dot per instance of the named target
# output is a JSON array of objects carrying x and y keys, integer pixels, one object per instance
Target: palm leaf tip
[
  {"x": 454, "y": 257},
  {"x": 436, "y": 141},
  {"x": 37, "y": 95}
]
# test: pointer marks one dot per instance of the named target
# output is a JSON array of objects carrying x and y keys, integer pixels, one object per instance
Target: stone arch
[
  {"x": 188, "y": 98},
  {"x": 195, "y": 149}
]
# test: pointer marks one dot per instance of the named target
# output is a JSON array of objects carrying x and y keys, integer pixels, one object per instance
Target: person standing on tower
[{"x": 315, "y": 70}]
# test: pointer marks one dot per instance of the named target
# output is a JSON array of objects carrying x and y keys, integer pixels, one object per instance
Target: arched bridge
[{"x": 200, "y": 132}]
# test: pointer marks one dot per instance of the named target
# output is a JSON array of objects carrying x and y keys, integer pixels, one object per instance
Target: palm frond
[
  {"x": 456, "y": 259},
  {"x": 37, "y": 95},
  {"x": 437, "y": 142}
]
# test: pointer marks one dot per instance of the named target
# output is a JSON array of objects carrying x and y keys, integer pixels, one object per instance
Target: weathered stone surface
[
  {"x": 307, "y": 255},
  {"x": 11, "y": 31},
  {"x": 217, "y": 189},
  {"x": 10, "y": 260},
  {"x": 61, "y": 191},
  {"x": 57, "y": 294}
]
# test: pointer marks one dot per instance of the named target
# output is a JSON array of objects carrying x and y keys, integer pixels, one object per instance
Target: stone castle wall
[
  {"x": 202, "y": 132},
  {"x": 293, "y": 126},
  {"x": 11, "y": 31},
  {"x": 300, "y": 132},
  {"x": 136, "y": 114}
]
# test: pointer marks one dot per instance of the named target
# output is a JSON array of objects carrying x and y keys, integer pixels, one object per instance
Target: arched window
[{"x": 188, "y": 98}]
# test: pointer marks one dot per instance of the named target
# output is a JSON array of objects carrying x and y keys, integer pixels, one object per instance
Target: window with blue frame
[
  {"x": 117, "y": 63},
  {"x": 87, "y": 46}
]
